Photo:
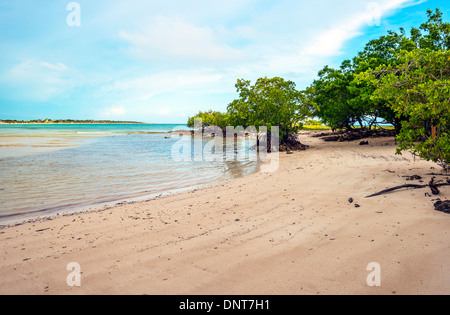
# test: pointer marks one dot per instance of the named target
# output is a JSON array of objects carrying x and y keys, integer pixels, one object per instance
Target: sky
[{"x": 161, "y": 61}]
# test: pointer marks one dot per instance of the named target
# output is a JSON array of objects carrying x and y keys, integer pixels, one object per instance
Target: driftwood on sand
[{"x": 432, "y": 185}]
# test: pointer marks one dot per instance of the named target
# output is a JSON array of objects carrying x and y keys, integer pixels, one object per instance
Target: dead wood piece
[
  {"x": 413, "y": 177},
  {"x": 396, "y": 188},
  {"x": 442, "y": 206},
  {"x": 433, "y": 187},
  {"x": 434, "y": 174}
]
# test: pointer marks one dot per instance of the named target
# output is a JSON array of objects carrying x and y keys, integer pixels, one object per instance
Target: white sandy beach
[{"x": 289, "y": 232}]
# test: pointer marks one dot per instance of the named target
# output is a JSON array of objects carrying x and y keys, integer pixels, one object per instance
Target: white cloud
[
  {"x": 304, "y": 57},
  {"x": 164, "y": 112},
  {"x": 175, "y": 41},
  {"x": 165, "y": 94},
  {"x": 145, "y": 87},
  {"x": 292, "y": 39},
  {"x": 330, "y": 42},
  {"x": 253, "y": 48},
  {"x": 117, "y": 111},
  {"x": 38, "y": 80},
  {"x": 114, "y": 112},
  {"x": 59, "y": 67}
]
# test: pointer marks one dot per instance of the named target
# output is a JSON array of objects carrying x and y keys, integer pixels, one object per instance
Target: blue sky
[{"x": 161, "y": 61}]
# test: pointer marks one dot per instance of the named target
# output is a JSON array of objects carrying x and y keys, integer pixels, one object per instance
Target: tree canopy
[
  {"x": 397, "y": 79},
  {"x": 418, "y": 88},
  {"x": 344, "y": 102},
  {"x": 209, "y": 118},
  {"x": 268, "y": 103}
]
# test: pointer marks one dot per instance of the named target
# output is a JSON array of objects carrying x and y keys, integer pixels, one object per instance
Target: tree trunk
[{"x": 398, "y": 126}]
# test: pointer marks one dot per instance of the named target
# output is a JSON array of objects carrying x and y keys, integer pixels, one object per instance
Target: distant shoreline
[{"x": 76, "y": 123}]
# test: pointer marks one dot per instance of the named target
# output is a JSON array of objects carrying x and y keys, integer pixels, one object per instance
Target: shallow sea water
[{"x": 45, "y": 168}]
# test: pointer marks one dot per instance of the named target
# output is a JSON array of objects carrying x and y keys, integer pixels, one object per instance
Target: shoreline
[
  {"x": 17, "y": 219},
  {"x": 78, "y": 123},
  {"x": 289, "y": 232}
]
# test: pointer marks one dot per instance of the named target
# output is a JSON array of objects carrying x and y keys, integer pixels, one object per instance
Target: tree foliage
[
  {"x": 342, "y": 101},
  {"x": 413, "y": 83},
  {"x": 209, "y": 118},
  {"x": 398, "y": 79},
  {"x": 332, "y": 97},
  {"x": 433, "y": 34},
  {"x": 270, "y": 102},
  {"x": 418, "y": 87}
]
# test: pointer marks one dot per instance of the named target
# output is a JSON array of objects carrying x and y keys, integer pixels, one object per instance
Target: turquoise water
[
  {"x": 62, "y": 167},
  {"x": 31, "y": 129}
]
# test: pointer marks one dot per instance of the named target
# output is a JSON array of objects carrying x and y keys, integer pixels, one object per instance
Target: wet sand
[{"x": 289, "y": 232}]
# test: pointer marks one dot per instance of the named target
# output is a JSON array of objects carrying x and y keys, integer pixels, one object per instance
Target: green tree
[
  {"x": 330, "y": 96},
  {"x": 418, "y": 87},
  {"x": 341, "y": 101},
  {"x": 379, "y": 52},
  {"x": 270, "y": 102},
  {"x": 433, "y": 34},
  {"x": 209, "y": 118}
]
